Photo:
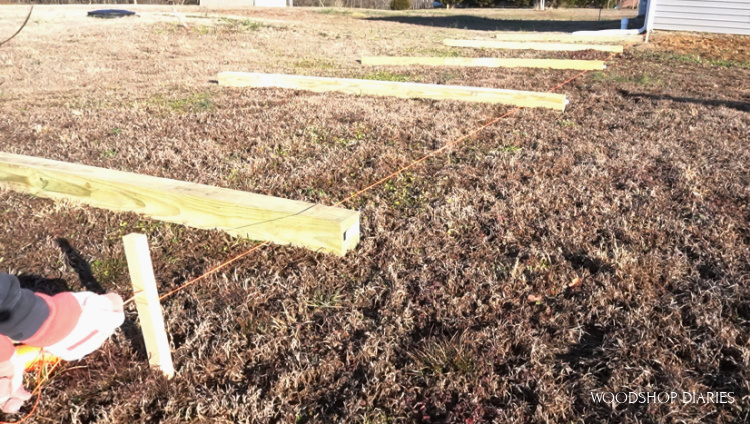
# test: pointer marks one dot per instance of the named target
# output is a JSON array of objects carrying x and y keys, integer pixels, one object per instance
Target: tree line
[{"x": 365, "y": 4}]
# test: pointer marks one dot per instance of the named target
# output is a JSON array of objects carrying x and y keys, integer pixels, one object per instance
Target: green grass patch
[
  {"x": 567, "y": 123},
  {"x": 107, "y": 270},
  {"x": 403, "y": 193},
  {"x": 108, "y": 153},
  {"x": 243, "y": 25},
  {"x": 443, "y": 357},
  {"x": 330, "y": 11},
  {"x": 198, "y": 102},
  {"x": 690, "y": 58},
  {"x": 314, "y": 64},
  {"x": 644, "y": 79},
  {"x": 325, "y": 299},
  {"x": 685, "y": 58},
  {"x": 723, "y": 63},
  {"x": 510, "y": 149},
  {"x": 436, "y": 52},
  {"x": 388, "y": 76},
  {"x": 204, "y": 16}
]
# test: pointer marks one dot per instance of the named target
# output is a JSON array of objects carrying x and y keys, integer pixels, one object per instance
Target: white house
[{"x": 720, "y": 16}]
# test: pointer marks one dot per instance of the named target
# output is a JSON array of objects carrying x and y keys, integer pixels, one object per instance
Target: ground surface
[{"x": 604, "y": 249}]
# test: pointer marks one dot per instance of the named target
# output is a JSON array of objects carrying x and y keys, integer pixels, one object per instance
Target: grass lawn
[{"x": 552, "y": 256}]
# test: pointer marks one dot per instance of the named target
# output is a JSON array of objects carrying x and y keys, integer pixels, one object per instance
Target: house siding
[{"x": 720, "y": 16}]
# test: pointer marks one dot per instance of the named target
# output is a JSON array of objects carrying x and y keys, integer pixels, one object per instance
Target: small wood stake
[{"x": 147, "y": 302}]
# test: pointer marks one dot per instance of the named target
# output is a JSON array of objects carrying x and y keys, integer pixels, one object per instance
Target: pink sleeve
[
  {"x": 63, "y": 317},
  {"x": 6, "y": 352}
]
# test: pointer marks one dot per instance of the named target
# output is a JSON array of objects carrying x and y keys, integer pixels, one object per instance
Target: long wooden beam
[
  {"x": 396, "y": 89},
  {"x": 569, "y": 38},
  {"x": 147, "y": 302},
  {"x": 241, "y": 214},
  {"x": 489, "y": 62},
  {"x": 512, "y": 45}
]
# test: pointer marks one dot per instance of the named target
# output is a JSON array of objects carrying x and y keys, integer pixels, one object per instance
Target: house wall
[{"x": 721, "y": 16}]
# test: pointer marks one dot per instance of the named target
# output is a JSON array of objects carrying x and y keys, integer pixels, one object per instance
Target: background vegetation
[{"x": 365, "y": 4}]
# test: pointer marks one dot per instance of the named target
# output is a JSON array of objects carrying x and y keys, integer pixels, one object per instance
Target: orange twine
[
  {"x": 38, "y": 389},
  {"x": 370, "y": 187}
]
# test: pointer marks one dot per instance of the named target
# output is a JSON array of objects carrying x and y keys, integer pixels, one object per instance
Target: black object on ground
[{"x": 110, "y": 13}]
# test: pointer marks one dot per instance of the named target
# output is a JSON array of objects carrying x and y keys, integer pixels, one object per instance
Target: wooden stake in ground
[
  {"x": 511, "y": 45},
  {"x": 489, "y": 62},
  {"x": 407, "y": 90},
  {"x": 242, "y": 214},
  {"x": 147, "y": 302}
]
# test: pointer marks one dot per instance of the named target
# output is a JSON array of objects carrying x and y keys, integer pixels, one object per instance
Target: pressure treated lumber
[
  {"x": 569, "y": 38},
  {"x": 147, "y": 302},
  {"x": 395, "y": 89},
  {"x": 241, "y": 214},
  {"x": 489, "y": 62},
  {"x": 513, "y": 45}
]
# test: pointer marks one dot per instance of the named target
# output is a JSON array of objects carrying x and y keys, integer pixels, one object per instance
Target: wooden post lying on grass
[
  {"x": 405, "y": 90},
  {"x": 568, "y": 38},
  {"x": 147, "y": 302},
  {"x": 489, "y": 62},
  {"x": 512, "y": 45},
  {"x": 241, "y": 214}
]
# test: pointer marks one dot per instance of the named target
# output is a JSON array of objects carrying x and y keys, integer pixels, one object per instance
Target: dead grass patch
[{"x": 459, "y": 304}]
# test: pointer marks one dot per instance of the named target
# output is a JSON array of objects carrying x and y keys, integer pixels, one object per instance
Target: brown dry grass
[{"x": 640, "y": 189}]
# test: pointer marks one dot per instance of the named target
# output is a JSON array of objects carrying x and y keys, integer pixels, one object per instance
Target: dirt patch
[
  {"x": 715, "y": 49},
  {"x": 604, "y": 249}
]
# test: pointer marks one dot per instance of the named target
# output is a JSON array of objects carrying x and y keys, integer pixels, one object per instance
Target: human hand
[
  {"x": 100, "y": 317},
  {"x": 12, "y": 392}
]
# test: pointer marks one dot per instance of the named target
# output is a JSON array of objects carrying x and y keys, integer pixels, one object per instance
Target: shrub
[{"x": 400, "y": 4}]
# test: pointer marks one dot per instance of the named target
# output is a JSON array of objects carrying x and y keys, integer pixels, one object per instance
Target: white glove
[
  {"x": 12, "y": 393},
  {"x": 100, "y": 317}
]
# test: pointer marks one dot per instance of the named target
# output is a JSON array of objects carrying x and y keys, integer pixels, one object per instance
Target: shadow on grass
[
  {"x": 488, "y": 24},
  {"x": 39, "y": 284},
  {"x": 732, "y": 104},
  {"x": 80, "y": 265},
  {"x": 53, "y": 286}
]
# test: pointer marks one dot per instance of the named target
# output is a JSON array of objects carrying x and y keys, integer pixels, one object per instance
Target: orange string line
[
  {"x": 368, "y": 188},
  {"x": 452, "y": 143},
  {"x": 37, "y": 390},
  {"x": 425, "y": 157},
  {"x": 207, "y": 273}
]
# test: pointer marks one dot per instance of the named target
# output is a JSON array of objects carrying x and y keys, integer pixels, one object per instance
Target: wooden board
[
  {"x": 147, "y": 302},
  {"x": 241, "y": 214},
  {"x": 395, "y": 89},
  {"x": 512, "y": 45},
  {"x": 488, "y": 62},
  {"x": 569, "y": 38}
]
